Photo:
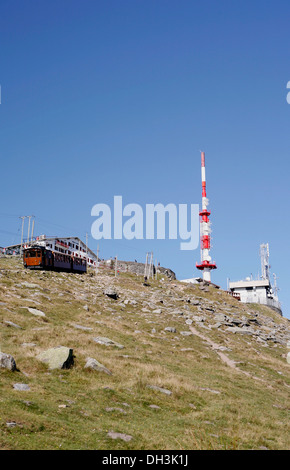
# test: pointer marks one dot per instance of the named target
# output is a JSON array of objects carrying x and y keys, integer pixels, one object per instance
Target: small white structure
[
  {"x": 193, "y": 280},
  {"x": 258, "y": 291}
]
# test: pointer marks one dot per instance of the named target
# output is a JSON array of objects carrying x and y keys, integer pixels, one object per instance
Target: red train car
[{"x": 38, "y": 257}]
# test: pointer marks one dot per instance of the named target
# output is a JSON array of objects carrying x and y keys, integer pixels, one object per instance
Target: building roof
[
  {"x": 44, "y": 238},
  {"x": 251, "y": 283}
]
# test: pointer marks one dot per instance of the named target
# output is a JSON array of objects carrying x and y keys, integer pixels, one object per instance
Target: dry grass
[{"x": 211, "y": 406}]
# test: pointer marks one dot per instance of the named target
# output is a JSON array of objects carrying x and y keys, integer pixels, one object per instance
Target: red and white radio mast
[{"x": 206, "y": 264}]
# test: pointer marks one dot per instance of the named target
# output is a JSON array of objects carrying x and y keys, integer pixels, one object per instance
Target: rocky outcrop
[{"x": 139, "y": 268}]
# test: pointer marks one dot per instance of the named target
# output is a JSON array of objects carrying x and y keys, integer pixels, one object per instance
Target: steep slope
[{"x": 191, "y": 367}]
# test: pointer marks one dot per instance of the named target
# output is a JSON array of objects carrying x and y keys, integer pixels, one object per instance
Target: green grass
[{"x": 246, "y": 414}]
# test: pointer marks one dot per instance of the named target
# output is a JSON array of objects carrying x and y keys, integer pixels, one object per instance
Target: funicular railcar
[{"x": 39, "y": 257}]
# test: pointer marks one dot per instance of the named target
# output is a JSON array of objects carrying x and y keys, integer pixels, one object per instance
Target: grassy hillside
[{"x": 224, "y": 365}]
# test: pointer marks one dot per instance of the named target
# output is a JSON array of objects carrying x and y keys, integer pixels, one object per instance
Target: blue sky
[{"x": 104, "y": 98}]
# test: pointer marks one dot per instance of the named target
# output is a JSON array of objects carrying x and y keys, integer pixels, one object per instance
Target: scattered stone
[
  {"x": 160, "y": 389},
  {"x": 80, "y": 327},
  {"x": 86, "y": 307},
  {"x": 210, "y": 390},
  {"x": 30, "y": 285},
  {"x": 11, "y": 424},
  {"x": 35, "y": 311},
  {"x": 111, "y": 292},
  {"x": 116, "y": 409},
  {"x": 96, "y": 365},
  {"x": 155, "y": 407},
  {"x": 288, "y": 357},
  {"x": 186, "y": 333},
  {"x": 21, "y": 387},
  {"x": 188, "y": 321},
  {"x": 7, "y": 362},
  {"x": 158, "y": 311},
  {"x": 170, "y": 329},
  {"x": 118, "y": 435},
  {"x": 241, "y": 331},
  {"x": 220, "y": 317},
  {"x": 107, "y": 342},
  {"x": 28, "y": 345},
  {"x": 192, "y": 406},
  {"x": 60, "y": 357},
  {"x": 10, "y": 323}
]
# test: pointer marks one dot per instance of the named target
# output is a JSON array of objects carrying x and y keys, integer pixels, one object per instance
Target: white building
[
  {"x": 66, "y": 245},
  {"x": 258, "y": 291},
  {"x": 255, "y": 291}
]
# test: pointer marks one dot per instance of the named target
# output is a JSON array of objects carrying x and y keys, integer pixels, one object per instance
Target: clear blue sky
[{"x": 118, "y": 97}]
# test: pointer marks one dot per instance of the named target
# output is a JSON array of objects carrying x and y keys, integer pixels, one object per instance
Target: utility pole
[
  {"x": 150, "y": 271},
  {"x": 87, "y": 247},
  {"x": 116, "y": 265},
  {"x": 97, "y": 260},
  {"x": 145, "y": 270},
  {"x": 29, "y": 218},
  {"x": 32, "y": 229},
  {"x": 23, "y": 217}
]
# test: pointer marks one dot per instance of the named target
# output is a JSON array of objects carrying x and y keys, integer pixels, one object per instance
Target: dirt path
[{"x": 229, "y": 362}]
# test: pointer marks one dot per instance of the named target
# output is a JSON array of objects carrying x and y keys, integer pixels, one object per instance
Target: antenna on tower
[
  {"x": 264, "y": 254},
  {"x": 275, "y": 287},
  {"x": 206, "y": 264}
]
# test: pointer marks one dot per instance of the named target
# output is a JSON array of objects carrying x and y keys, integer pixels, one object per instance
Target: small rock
[
  {"x": 80, "y": 327},
  {"x": 21, "y": 387},
  {"x": 29, "y": 285},
  {"x": 155, "y": 407},
  {"x": 111, "y": 292},
  {"x": 216, "y": 392},
  {"x": 118, "y": 435},
  {"x": 116, "y": 409},
  {"x": 158, "y": 311},
  {"x": 96, "y": 365},
  {"x": 10, "y": 323},
  {"x": 35, "y": 311},
  {"x": 170, "y": 329},
  {"x": 7, "y": 362},
  {"x": 11, "y": 424},
  {"x": 107, "y": 342},
  {"x": 160, "y": 389}
]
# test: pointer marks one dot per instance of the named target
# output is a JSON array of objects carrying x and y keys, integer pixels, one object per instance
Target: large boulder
[
  {"x": 60, "y": 357},
  {"x": 7, "y": 361}
]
